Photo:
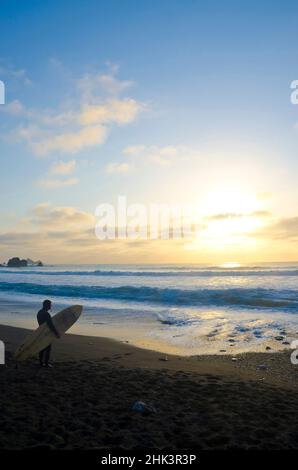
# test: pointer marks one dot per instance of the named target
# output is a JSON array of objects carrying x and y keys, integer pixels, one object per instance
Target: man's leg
[
  {"x": 47, "y": 354},
  {"x": 41, "y": 353}
]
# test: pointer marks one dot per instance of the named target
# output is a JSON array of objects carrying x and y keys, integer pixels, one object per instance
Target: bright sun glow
[
  {"x": 228, "y": 216},
  {"x": 229, "y": 199},
  {"x": 230, "y": 265}
]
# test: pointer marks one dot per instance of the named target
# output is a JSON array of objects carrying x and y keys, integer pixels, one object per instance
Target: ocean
[{"x": 183, "y": 309}]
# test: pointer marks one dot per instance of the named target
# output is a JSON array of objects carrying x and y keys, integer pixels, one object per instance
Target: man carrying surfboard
[
  {"x": 43, "y": 316},
  {"x": 49, "y": 329}
]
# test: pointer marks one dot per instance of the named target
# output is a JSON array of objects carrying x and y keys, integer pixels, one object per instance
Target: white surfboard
[{"x": 43, "y": 336}]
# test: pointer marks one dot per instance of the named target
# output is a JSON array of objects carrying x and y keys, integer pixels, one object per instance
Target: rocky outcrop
[
  {"x": 34, "y": 263},
  {"x": 17, "y": 263}
]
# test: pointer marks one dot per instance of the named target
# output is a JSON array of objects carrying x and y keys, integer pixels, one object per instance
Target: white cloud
[
  {"x": 52, "y": 183},
  {"x": 59, "y": 170},
  {"x": 63, "y": 168},
  {"x": 139, "y": 155},
  {"x": 113, "y": 111},
  {"x": 55, "y": 217},
  {"x": 118, "y": 168},
  {"x": 14, "y": 108},
  {"x": 157, "y": 154},
  {"x": 18, "y": 75},
  {"x": 91, "y": 84},
  {"x": 70, "y": 142},
  {"x": 134, "y": 150},
  {"x": 84, "y": 122}
]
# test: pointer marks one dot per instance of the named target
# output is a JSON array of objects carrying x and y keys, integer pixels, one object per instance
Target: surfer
[{"x": 43, "y": 316}]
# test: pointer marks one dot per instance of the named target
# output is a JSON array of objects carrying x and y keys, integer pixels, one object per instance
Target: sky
[{"x": 177, "y": 102}]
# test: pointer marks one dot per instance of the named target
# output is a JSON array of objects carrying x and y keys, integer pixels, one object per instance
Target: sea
[{"x": 182, "y": 309}]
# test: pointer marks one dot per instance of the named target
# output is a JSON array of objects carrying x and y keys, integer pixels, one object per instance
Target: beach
[
  {"x": 207, "y": 350},
  {"x": 202, "y": 402}
]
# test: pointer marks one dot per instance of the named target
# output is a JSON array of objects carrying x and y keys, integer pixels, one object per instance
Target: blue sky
[{"x": 209, "y": 80}]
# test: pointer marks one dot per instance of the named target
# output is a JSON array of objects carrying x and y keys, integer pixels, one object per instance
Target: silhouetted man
[{"x": 43, "y": 316}]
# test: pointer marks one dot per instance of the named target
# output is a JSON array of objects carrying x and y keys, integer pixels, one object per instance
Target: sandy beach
[{"x": 202, "y": 402}]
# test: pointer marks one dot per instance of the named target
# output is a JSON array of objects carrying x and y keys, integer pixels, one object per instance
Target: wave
[
  {"x": 193, "y": 273},
  {"x": 236, "y": 297}
]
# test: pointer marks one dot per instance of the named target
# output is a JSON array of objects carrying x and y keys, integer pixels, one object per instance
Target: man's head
[{"x": 47, "y": 304}]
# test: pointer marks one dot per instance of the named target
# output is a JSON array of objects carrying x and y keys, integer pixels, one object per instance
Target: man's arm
[{"x": 51, "y": 325}]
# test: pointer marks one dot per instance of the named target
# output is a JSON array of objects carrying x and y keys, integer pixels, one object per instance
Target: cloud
[
  {"x": 63, "y": 168},
  {"x": 53, "y": 217},
  {"x": 52, "y": 183},
  {"x": 56, "y": 233},
  {"x": 66, "y": 234},
  {"x": 113, "y": 111},
  {"x": 118, "y": 168},
  {"x": 90, "y": 84},
  {"x": 18, "y": 75},
  {"x": 14, "y": 108},
  {"x": 237, "y": 215},
  {"x": 70, "y": 142},
  {"x": 159, "y": 154},
  {"x": 282, "y": 229},
  {"x": 260, "y": 213},
  {"x": 57, "y": 175},
  {"x": 134, "y": 150},
  {"x": 140, "y": 154},
  {"x": 85, "y": 120},
  {"x": 17, "y": 238}
]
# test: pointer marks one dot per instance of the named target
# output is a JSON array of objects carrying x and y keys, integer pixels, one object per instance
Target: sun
[
  {"x": 229, "y": 215},
  {"x": 230, "y": 199},
  {"x": 230, "y": 265}
]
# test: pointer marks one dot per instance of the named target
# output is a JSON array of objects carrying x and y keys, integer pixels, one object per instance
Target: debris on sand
[
  {"x": 144, "y": 408},
  {"x": 165, "y": 359},
  {"x": 262, "y": 366}
]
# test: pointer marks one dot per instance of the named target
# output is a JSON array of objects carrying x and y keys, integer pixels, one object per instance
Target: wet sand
[{"x": 202, "y": 402}]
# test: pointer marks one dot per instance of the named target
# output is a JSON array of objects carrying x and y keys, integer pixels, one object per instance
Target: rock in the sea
[
  {"x": 268, "y": 348},
  {"x": 34, "y": 263},
  {"x": 285, "y": 342},
  {"x": 17, "y": 263},
  {"x": 279, "y": 338}
]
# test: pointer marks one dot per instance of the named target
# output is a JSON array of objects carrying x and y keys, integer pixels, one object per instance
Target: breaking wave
[{"x": 286, "y": 299}]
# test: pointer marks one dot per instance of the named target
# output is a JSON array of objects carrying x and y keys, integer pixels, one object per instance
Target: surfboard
[{"x": 43, "y": 336}]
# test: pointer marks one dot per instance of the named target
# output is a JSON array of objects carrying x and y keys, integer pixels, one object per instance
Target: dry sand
[{"x": 202, "y": 402}]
